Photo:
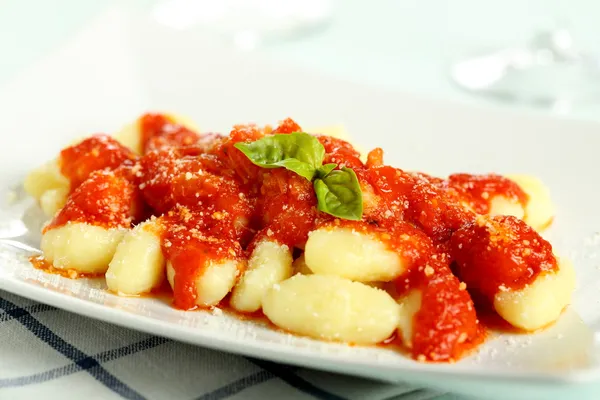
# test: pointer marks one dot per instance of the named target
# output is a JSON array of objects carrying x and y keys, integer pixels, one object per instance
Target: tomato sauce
[
  {"x": 168, "y": 179},
  {"x": 340, "y": 152},
  {"x": 288, "y": 125},
  {"x": 234, "y": 160},
  {"x": 92, "y": 154},
  {"x": 420, "y": 201},
  {"x": 500, "y": 253},
  {"x": 446, "y": 326},
  {"x": 191, "y": 241},
  {"x": 105, "y": 199},
  {"x": 287, "y": 207},
  {"x": 159, "y": 131},
  {"x": 214, "y": 205},
  {"x": 40, "y": 263},
  {"x": 479, "y": 190}
]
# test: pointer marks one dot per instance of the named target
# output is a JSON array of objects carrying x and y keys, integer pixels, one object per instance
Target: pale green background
[
  {"x": 403, "y": 44},
  {"x": 400, "y": 44}
]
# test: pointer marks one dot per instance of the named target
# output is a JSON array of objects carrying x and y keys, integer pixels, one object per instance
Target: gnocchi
[
  {"x": 514, "y": 267},
  {"x": 131, "y": 134},
  {"x": 212, "y": 283},
  {"x": 326, "y": 244},
  {"x": 269, "y": 264},
  {"x": 332, "y": 308},
  {"x": 410, "y": 304},
  {"x": 53, "y": 200},
  {"x": 540, "y": 209},
  {"x": 138, "y": 265},
  {"x": 300, "y": 267},
  {"x": 48, "y": 186},
  {"x": 52, "y": 183},
  {"x": 540, "y": 303},
  {"x": 500, "y": 205},
  {"x": 82, "y": 247},
  {"x": 84, "y": 234},
  {"x": 357, "y": 256},
  {"x": 47, "y": 177}
]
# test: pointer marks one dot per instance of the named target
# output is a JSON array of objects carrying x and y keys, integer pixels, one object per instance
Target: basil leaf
[
  {"x": 338, "y": 191},
  {"x": 324, "y": 170},
  {"x": 301, "y": 168},
  {"x": 298, "y": 152},
  {"x": 339, "y": 194}
]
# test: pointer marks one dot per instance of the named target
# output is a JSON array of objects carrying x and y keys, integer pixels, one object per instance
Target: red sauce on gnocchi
[
  {"x": 446, "y": 325},
  {"x": 92, "y": 154},
  {"x": 478, "y": 191},
  {"x": 106, "y": 199},
  {"x": 500, "y": 253},
  {"x": 159, "y": 131},
  {"x": 214, "y": 205}
]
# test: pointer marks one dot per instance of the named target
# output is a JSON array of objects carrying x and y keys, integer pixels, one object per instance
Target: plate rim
[{"x": 275, "y": 351}]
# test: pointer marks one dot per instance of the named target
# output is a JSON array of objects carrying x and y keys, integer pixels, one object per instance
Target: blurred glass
[
  {"x": 247, "y": 24},
  {"x": 550, "y": 69}
]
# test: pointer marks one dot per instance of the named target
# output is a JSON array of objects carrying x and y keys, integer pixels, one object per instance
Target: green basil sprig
[
  {"x": 339, "y": 194},
  {"x": 338, "y": 191}
]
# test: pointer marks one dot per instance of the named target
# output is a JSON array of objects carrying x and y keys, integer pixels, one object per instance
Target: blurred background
[{"x": 535, "y": 55}]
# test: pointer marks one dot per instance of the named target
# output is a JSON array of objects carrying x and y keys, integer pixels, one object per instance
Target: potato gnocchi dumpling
[
  {"x": 488, "y": 194},
  {"x": 96, "y": 153},
  {"x": 410, "y": 304},
  {"x": 539, "y": 303},
  {"x": 213, "y": 282},
  {"x": 53, "y": 200},
  {"x": 52, "y": 183},
  {"x": 514, "y": 267},
  {"x": 138, "y": 265},
  {"x": 131, "y": 135},
  {"x": 84, "y": 234},
  {"x": 270, "y": 263},
  {"x": 88, "y": 249},
  {"x": 500, "y": 205},
  {"x": 350, "y": 254},
  {"x": 540, "y": 209},
  {"x": 332, "y": 308},
  {"x": 299, "y": 266},
  {"x": 44, "y": 178}
]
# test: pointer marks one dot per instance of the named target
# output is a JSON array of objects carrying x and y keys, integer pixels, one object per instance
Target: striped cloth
[{"x": 49, "y": 353}]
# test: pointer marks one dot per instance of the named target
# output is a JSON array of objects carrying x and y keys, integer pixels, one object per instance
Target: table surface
[{"x": 405, "y": 45}]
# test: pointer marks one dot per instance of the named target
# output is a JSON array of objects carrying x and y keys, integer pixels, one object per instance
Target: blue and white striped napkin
[{"x": 49, "y": 353}]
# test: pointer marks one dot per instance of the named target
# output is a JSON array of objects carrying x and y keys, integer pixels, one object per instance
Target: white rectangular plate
[{"x": 123, "y": 65}]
